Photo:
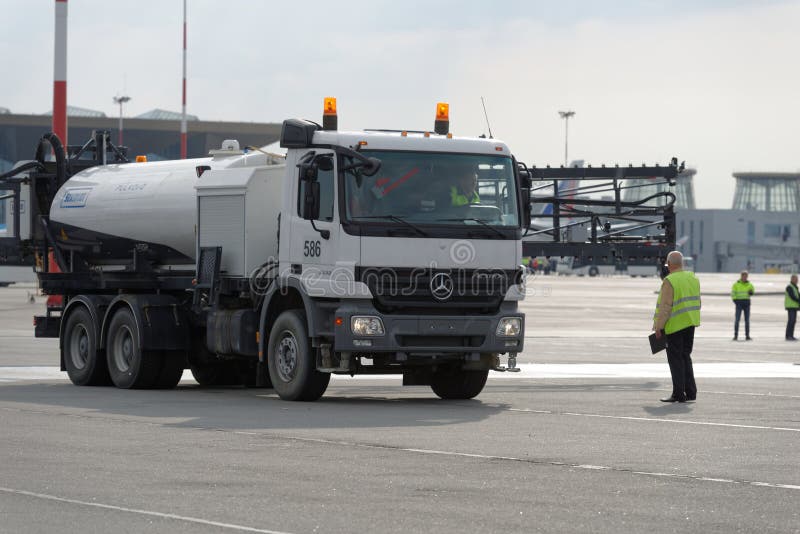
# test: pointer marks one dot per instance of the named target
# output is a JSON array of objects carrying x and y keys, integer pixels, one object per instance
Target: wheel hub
[
  {"x": 123, "y": 349},
  {"x": 287, "y": 357},
  {"x": 79, "y": 347}
]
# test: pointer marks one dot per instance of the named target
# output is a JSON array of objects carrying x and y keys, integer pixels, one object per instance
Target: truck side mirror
[
  {"x": 310, "y": 206},
  {"x": 526, "y": 207}
]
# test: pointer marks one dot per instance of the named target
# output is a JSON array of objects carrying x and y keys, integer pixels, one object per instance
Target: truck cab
[{"x": 405, "y": 248}]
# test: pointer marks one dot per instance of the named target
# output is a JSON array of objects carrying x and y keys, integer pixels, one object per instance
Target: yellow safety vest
[
  {"x": 790, "y": 303},
  {"x": 741, "y": 290},
  {"x": 685, "y": 302},
  {"x": 458, "y": 199}
]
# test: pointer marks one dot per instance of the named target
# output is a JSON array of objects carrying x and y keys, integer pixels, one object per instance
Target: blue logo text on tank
[{"x": 75, "y": 197}]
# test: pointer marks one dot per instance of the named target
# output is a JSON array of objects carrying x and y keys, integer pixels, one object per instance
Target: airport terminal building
[
  {"x": 155, "y": 134},
  {"x": 761, "y": 231}
]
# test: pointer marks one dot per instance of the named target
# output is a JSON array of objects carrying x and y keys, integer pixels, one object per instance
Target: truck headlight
[
  {"x": 509, "y": 327},
  {"x": 366, "y": 326}
]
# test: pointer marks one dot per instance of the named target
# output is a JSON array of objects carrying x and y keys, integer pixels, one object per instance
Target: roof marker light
[
  {"x": 141, "y": 159},
  {"x": 330, "y": 120}
]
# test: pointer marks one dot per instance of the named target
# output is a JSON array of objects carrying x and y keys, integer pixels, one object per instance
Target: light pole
[
  {"x": 120, "y": 100},
  {"x": 566, "y": 115}
]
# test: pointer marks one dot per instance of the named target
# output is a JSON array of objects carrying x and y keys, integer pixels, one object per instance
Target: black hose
[
  {"x": 58, "y": 150},
  {"x": 22, "y": 168}
]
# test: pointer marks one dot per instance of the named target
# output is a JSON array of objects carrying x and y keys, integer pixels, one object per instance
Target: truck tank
[{"x": 105, "y": 213}]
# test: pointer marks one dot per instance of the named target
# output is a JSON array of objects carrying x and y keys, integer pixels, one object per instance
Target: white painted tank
[{"x": 107, "y": 211}]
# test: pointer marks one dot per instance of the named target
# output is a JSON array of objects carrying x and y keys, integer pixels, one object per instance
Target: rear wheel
[
  {"x": 85, "y": 364},
  {"x": 129, "y": 366},
  {"x": 458, "y": 383},
  {"x": 291, "y": 360}
]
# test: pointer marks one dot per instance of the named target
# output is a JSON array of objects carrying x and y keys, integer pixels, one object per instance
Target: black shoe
[
  {"x": 791, "y": 339},
  {"x": 672, "y": 398},
  {"x": 748, "y": 338},
  {"x": 690, "y": 398},
  {"x": 735, "y": 338}
]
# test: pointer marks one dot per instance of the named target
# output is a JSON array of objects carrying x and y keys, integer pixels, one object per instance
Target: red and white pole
[
  {"x": 183, "y": 109},
  {"x": 60, "y": 73}
]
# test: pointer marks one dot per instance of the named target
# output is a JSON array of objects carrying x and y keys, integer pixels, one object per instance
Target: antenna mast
[{"x": 486, "y": 115}]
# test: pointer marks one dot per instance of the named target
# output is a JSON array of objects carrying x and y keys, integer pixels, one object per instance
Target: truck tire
[
  {"x": 85, "y": 364},
  {"x": 458, "y": 383},
  {"x": 593, "y": 271},
  {"x": 291, "y": 361},
  {"x": 130, "y": 367}
]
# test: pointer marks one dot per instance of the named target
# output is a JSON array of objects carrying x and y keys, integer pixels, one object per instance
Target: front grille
[{"x": 409, "y": 290}]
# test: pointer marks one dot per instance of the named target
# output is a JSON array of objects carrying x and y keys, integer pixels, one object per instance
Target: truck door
[{"x": 314, "y": 242}]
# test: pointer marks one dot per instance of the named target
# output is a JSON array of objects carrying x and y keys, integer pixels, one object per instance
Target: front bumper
[{"x": 428, "y": 334}]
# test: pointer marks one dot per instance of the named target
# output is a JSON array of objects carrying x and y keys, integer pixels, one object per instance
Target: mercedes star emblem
[{"x": 441, "y": 286}]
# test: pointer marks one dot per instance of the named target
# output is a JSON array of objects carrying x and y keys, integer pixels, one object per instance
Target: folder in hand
[{"x": 658, "y": 344}]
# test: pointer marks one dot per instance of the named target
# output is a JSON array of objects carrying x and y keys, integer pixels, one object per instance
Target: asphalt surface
[{"x": 577, "y": 442}]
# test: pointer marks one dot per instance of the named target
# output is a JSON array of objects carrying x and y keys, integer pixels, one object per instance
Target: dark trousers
[
  {"x": 679, "y": 356},
  {"x": 790, "y": 324},
  {"x": 742, "y": 306}
]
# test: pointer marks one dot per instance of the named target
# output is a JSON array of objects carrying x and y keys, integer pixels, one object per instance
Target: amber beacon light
[
  {"x": 330, "y": 121},
  {"x": 442, "y": 124}
]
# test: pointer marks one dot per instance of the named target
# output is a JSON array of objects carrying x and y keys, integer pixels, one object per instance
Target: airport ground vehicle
[{"x": 352, "y": 254}]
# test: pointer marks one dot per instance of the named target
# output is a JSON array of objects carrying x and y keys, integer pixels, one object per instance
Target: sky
[{"x": 715, "y": 83}]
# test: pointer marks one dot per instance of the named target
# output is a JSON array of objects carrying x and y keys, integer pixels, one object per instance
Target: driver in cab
[{"x": 464, "y": 192}]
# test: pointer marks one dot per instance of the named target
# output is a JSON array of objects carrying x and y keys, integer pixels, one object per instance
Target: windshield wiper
[
  {"x": 396, "y": 218},
  {"x": 479, "y": 221}
]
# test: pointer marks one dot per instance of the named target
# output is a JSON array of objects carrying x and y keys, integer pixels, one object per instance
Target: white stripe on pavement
[
  {"x": 587, "y": 467},
  {"x": 150, "y": 513}
]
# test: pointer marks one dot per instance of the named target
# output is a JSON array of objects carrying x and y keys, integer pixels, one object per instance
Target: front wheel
[
  {"x": 458, "y": 383},
  {"x": 291, "y": 362}
]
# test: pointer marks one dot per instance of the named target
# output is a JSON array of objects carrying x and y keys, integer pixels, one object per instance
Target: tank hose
[{"x": 58, "y": 150}]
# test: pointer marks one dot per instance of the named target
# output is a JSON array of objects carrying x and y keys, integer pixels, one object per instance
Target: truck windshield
[{"x": 434, "y": 189}]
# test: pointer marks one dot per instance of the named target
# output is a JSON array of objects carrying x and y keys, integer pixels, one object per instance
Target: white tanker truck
[{"x": 367, "y": 252}]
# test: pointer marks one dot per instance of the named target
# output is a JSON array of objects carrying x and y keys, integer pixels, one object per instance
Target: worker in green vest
[
  {"x": 677, "y": 315},
  {"x": 465, "y": 191},
  {"x": 741, "y": 292},
  {"x": 792, "y": 303}
]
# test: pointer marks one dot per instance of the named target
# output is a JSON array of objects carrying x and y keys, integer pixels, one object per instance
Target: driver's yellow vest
[
  {"x": 458, "y": 199},
  {"x": 685, "y": 302}
]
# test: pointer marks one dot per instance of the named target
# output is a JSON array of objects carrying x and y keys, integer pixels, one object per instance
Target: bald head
[{"x": 674, "y": 261}]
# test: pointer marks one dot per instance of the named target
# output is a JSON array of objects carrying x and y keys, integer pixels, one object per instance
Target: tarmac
[{"x": 576, "y": 442}]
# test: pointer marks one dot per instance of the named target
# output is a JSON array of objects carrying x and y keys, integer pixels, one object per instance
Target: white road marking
[
  {"x": 527, "y": 371},
  {"x": 176, "y": 517},
  {"x": 656, "y": 420},
  {"x": 587, "y": 467}
]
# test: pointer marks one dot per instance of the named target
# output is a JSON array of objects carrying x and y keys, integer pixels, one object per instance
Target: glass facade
[
  {"x": 767, "y": 192},
  {"x": 641, "y": 188}
]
